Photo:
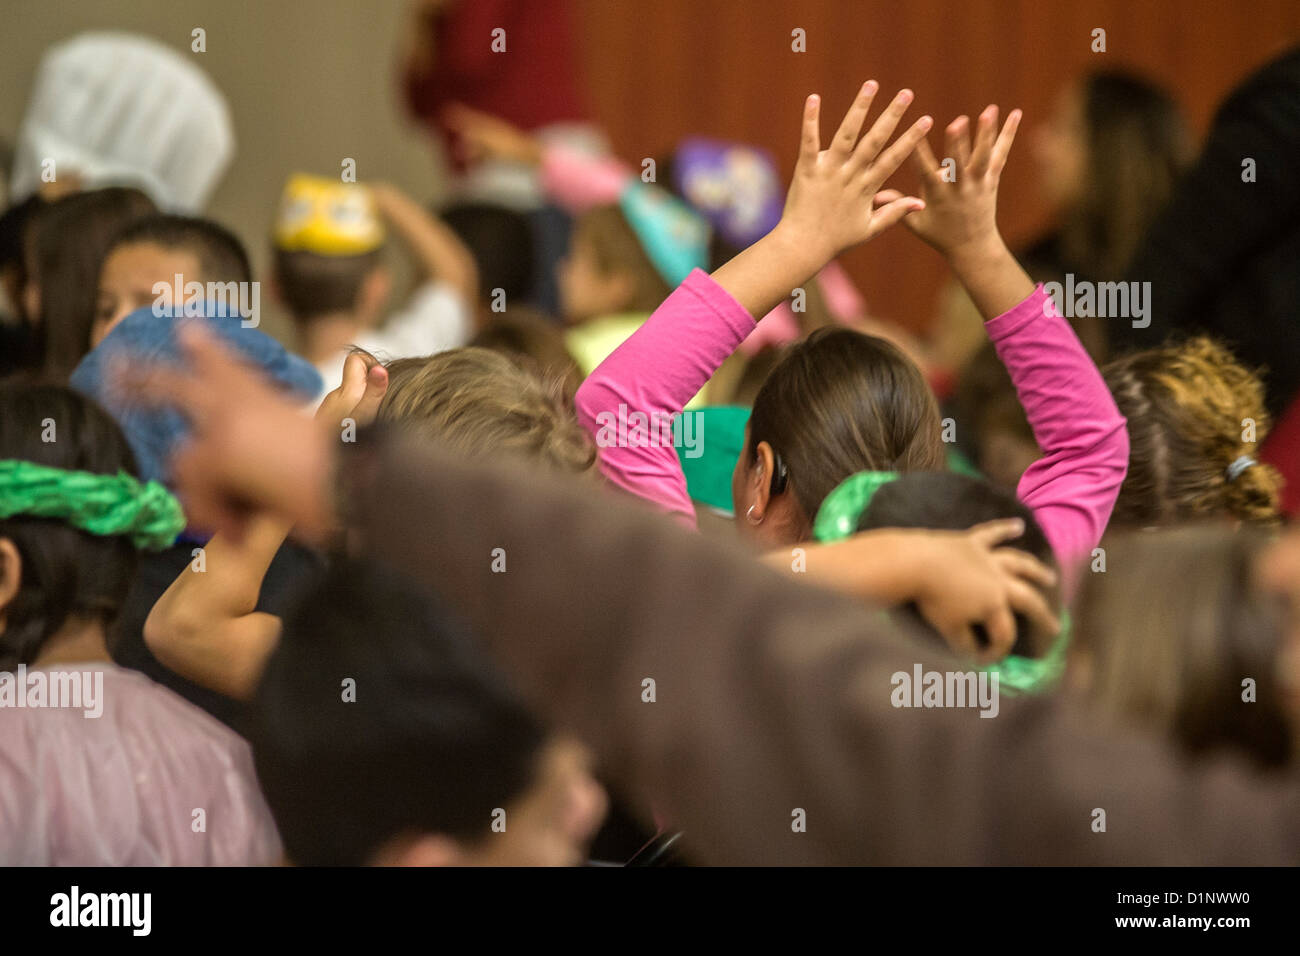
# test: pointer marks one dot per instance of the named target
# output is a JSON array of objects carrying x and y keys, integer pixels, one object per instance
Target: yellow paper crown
[{"x": 327, "y": 217}]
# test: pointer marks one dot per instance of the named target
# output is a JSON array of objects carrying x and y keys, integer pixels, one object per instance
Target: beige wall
[{"x": 309, "y": 83}]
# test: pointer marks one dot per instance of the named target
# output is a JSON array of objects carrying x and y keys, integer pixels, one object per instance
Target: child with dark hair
[
  {"x": 406, "y": 748},
  {"x": 99, "y": 766},
  {"x": 19, "y": 344},
  {"x": 1026, "y": 657},
  {"x": 843, "y": 402},
  {"x": 329, "y": 273},
  {"x": 68, "y": 239},
  {"x": 151, "y": 261},
  {"x": 503, "y": 245}
]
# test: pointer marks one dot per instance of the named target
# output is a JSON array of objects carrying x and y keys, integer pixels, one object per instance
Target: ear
[
  {"x": 760, "y": 477},
  {"x": 373, "y": 294},
  {"x": 11, "y": 578},
  {"x": 273, "y": 287}
]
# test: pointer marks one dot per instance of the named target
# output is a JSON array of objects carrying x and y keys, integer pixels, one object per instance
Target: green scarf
[
  {"x": 98, "y": 504},
  {"x": 838, "y": 517}
]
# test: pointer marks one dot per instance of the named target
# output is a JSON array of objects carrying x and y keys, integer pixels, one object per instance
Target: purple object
[{"x": 734, "y": 186}]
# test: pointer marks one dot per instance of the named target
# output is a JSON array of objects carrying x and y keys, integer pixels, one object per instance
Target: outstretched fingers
[
  {"x": 889, "y": 161},
  {"x": 851, "y": 126},
  {"x": 882, "y": 129},
  {"x": 985, "y": 133},
  {"x": 957, "y": 141},
  {"x": 1002, "y": 148},
  {"x": 810, "y": 140}
]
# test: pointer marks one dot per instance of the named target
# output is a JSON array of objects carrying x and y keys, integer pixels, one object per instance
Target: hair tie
[
  {"x": 1239, "y": 465},
  {"x": 102, "y": 505}
]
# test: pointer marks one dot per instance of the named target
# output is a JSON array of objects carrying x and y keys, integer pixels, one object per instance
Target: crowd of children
[{"x": 633, "y": 575}]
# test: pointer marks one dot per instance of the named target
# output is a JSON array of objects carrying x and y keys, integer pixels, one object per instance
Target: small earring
[{"x": 749, "y": 516}]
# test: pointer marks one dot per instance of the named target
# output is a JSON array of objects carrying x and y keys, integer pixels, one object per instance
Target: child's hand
[
  {"x": 484, "y": 136},
  {"x": 364, "y": 385},
  {"x": 972, "y": 580},
  {"x": 961, "y": 216},
  {"x": 830, "y": 204}
]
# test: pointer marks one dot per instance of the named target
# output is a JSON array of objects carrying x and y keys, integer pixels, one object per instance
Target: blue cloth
[{"x": 154, "y": 432}]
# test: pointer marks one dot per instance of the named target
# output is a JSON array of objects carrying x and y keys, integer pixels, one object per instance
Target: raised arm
[
  {"x": 206, "y": 626},
  {"x": 1084, "y": 439},
  {"x": 664, "y": 363},
  {"x": 438, "y": 252}
]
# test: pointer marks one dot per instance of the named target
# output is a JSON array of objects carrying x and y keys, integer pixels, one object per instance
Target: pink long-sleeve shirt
[{"x": 1071, "y": 489}]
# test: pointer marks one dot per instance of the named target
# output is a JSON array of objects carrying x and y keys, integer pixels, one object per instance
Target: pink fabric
[
  {"x": 781, "y": 325},
  {"x": 657, "y": 371},
  {"x": 578, "y": 181},
  {"x": 121, "y": 789},
  {"x": 1083, "y": 437}
]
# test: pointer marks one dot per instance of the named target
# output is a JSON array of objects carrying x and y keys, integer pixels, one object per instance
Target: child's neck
[
  {"x": 325, "y": 336},
  {"x": 79, "y": 641}
]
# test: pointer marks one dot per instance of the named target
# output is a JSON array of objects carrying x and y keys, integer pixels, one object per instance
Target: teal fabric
[
  {"x": 720, "y": 430},
  {"x": 674, "y": 237}
]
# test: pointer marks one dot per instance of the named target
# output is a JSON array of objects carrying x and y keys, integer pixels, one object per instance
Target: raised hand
[
  {"x": 830, "y": 205},
  {"x": 961, "y": 215}
]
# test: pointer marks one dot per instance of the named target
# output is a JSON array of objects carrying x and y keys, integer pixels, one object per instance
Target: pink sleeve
[
  {"x": 577, "y": 180},
  {"x": 843, "y": 299},
  {"x": 1083, "y": 437},
  {"x": 627, "y": 400}
]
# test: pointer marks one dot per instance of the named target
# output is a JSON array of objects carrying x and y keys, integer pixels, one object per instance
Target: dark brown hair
[
  {"x": 841, "y": 402},
  {"x": 1190, "y": 409},
  {"x": 66, "y": 573},
  {"x": 313, "y": 285},
  {"x": 1138, "y": 147},
  {"x": 69, "y": 239}
]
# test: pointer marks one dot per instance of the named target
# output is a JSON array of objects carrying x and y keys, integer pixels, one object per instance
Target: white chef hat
[{"x": 122, "y": 109}]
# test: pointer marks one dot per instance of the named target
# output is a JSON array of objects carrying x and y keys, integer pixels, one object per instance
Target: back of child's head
[
  {"x": 841, "y": 402},
  {"x": 220, "y": 254},
  {"x": 521, "y": 332},
  {"x": 1196, "y": 419},
  {"x": 312, "y": 285},
  {"x": 430, "y": 744},
  {"x": 615, "y": 248},
  {"x": 482, "y": 403},
  {"x": 66, "y": 573},
  {"x": 69, "y": 237},
  {"x": 327, "y": 241},
  {"x": 502, "y": 243},
  {"x": 1168, "y": 634},
  {"x": 946, "y": 500}
]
